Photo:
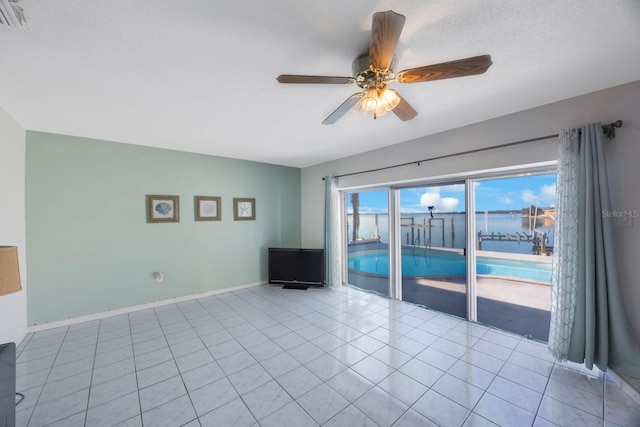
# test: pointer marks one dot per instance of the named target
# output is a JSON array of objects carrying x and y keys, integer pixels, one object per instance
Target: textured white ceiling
[{"x": 199, "y": 75}]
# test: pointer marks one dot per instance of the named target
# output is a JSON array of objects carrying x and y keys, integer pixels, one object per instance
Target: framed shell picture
[
  {"x": 163, "y": 208},
  {"x": 207, "y": 208}
]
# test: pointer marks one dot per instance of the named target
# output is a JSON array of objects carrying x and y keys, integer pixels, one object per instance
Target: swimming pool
[{"x": 423, "y": 263}]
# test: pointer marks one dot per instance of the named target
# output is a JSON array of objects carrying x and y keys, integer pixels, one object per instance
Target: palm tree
[{"x": 355, "y": 203}]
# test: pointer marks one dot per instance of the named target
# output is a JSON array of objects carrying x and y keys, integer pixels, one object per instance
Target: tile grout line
[
  {"x": 208, "y": 351},
  {"x": 323, "y": 382},
  {"x": 458, "y": 359},
  {"x": 233, "y": 337},
  {"x": 486, "y": 390},
  {"x": 414, "y": 357},
  {"x": 280, "y": 385},
  {"x": 50, "y": 369},
  {"x": 544, "y": 393},
  {"x": 177, "y": 368},
  {"x": 604, "y": 397},
  {"x": 93, "y": 367},
  {"x": 135, "y": 367}
]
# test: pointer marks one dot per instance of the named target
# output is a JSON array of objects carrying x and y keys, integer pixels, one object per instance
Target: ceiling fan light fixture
[
  {"x": 389, "y": 99},
  {"x": 380, "y": 111},
  {"x": 368, "y": 102},
  {"x": 377, "y": 101}
]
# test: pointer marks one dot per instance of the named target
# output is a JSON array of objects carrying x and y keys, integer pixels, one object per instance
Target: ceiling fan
[{"x": 373, "y": 71}]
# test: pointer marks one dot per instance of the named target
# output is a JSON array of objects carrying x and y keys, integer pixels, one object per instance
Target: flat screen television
[{"x": 296, "y": 266}]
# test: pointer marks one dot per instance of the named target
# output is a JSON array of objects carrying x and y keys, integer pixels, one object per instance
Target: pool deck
[
  {"x": 498, "y": 289},
  {"x": 520, "y": 307}
]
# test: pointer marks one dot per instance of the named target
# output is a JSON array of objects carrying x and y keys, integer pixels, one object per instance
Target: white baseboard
[
  {"x": 117, "y": 312},
  {"x": 626, "y": 386}
]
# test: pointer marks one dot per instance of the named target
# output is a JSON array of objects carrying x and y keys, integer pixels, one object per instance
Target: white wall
[
  {"x": 13, "y": 307},
  {"x": 623, "y": 155}
]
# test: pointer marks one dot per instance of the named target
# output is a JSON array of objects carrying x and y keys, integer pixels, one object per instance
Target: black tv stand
[{"x": 301, "y": 287}]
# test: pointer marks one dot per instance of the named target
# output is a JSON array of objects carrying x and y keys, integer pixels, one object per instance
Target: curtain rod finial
[{"x": 610, "y": 129}]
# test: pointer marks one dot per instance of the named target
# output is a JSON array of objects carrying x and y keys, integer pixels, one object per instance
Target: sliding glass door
[
  {"x": 432, "y": 245},
  {"x": 514, "y": 222},
  {"x": 368, "y": 240},
  {"x": 478, "y": 249}
]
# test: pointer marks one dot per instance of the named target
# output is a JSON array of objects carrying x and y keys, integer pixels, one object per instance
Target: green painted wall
[{"x": 90, "y": 249}]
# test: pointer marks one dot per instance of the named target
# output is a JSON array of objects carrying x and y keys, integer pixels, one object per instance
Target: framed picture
[
  {"x": 163, "y": 208},
  {"x": 244, "y": 209},
  {"x": 207, "y": 208}
]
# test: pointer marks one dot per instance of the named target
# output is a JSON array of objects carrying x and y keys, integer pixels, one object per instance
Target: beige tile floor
[{"x": 266, "y": 356}]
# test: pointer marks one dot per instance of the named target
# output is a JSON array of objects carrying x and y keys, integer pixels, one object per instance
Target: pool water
[{"x": 423, "y": 263}]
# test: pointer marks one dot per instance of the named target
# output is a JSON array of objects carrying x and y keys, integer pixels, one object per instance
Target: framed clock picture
[{"x": 244, "y": 209}]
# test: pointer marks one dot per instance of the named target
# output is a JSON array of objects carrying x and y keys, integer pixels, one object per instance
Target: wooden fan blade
[
  {"x": 404, "y": 111},
  {"x": 341, "y": 110},
  {"x": 293, "y": 78},
  {"x": 446, "y": 70},
  {"x": 385, "y": 33}
]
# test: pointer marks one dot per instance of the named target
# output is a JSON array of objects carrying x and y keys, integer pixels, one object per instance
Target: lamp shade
[{"x": 9, "y": 270}]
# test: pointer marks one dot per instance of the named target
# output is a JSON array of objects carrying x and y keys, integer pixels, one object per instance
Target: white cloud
[
  {"x": 414, "y": 191},
  {"x": 530, "y": 197},
  {"x": 545, "y": 197},
  {"x": 506, "y": 200},
  {"x": 442, "y": 204},
  {"x": 548, "y": 194}
]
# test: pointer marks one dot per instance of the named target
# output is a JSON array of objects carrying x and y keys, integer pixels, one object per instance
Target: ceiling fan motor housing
[{"x": 365, "y": 77}]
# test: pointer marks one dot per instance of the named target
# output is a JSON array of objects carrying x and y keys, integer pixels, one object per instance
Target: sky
[{"x": 495, "y": 194}]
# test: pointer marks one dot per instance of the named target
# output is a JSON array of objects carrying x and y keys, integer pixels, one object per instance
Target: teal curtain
[
  {"x": 332, "y": 242},
  {"x": 600, "y": 333}
]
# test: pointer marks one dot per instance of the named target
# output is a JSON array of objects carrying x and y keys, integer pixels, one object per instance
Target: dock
[{"x": 538, "y": 240}]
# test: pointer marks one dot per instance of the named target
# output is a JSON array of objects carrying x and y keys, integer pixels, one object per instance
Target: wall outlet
[{"x": 159, "y": 276}]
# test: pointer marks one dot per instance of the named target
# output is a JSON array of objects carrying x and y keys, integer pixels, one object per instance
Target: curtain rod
[{"x": 609, "y": 131}]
